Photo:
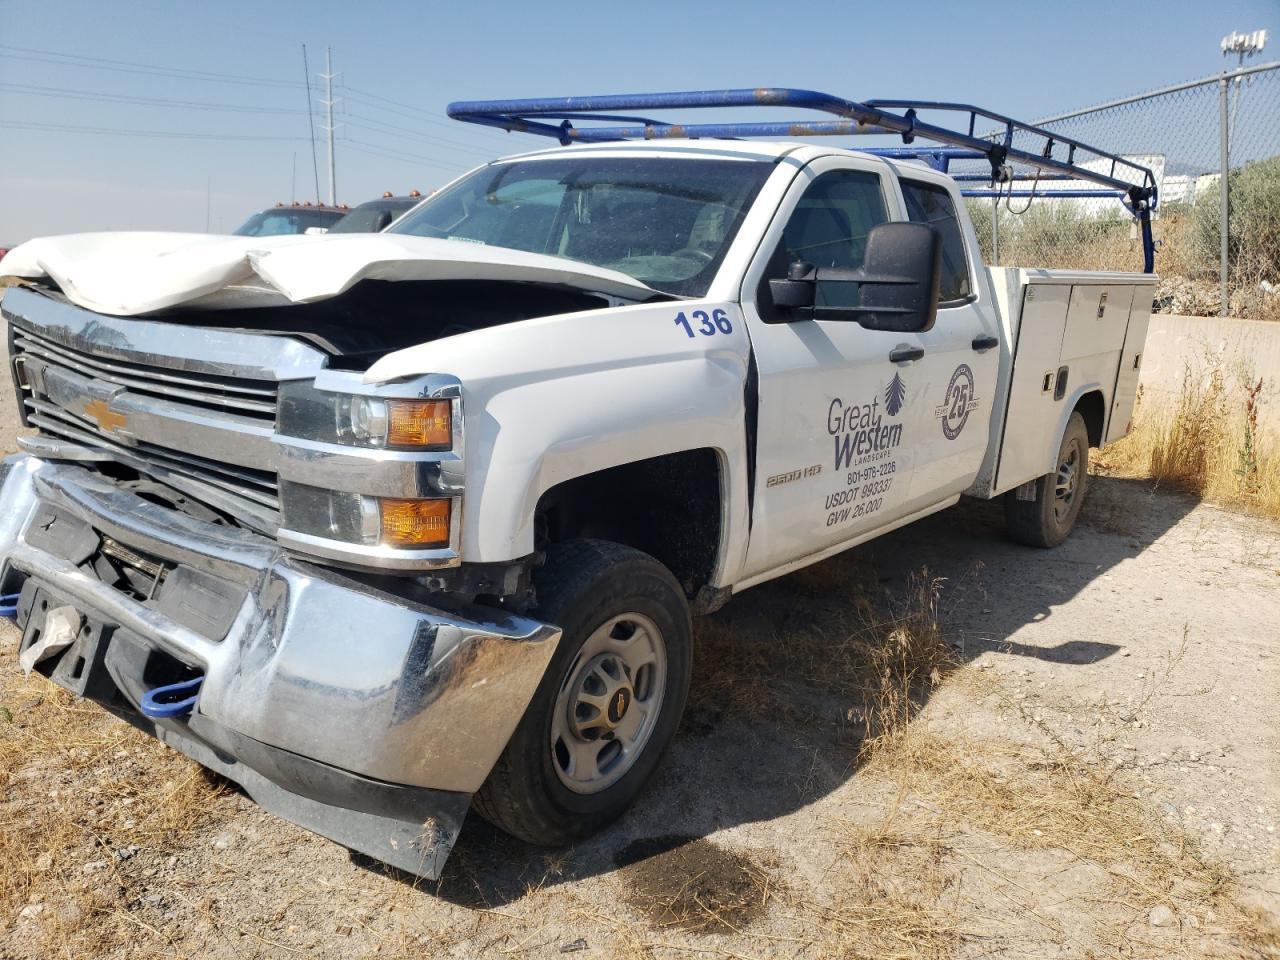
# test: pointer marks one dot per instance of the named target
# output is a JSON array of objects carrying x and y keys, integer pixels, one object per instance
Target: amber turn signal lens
[
  {"x": 415, "y": 523},
  {"x": 420, "y": 423}
]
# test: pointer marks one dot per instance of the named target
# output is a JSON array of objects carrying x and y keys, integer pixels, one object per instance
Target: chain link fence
[{"x": 1178, "y": 132}]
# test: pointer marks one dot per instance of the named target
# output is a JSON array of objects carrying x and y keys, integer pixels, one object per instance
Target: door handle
[
  {"x": 985, "y": 343},
  {"x": 904, "y": 354}
]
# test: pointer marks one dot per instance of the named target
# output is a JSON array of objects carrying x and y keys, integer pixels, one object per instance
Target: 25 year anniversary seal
[{"x": 958, "y": 402}]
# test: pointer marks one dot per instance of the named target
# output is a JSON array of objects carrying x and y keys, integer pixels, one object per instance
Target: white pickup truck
[{"x": 382, "y": 527}]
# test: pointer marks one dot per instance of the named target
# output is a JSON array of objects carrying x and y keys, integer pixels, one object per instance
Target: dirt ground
[{"x": 1097, "y": 775}]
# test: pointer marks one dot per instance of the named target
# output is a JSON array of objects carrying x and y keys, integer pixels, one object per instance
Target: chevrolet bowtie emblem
[{"x": 107, "y": 419}]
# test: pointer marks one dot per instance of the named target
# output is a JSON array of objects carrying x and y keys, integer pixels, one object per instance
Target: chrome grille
[
  {"x": 193, "y": 407},
  {"x": 251, "y": 398},
  {"x": 260, "y": 486}
]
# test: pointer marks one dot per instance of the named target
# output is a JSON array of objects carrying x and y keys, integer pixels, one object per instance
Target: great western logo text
[{"x": 860, "y": 428}]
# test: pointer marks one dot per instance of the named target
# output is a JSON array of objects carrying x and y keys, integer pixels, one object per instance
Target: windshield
[
  {"x": 371, "y": 217},
  {"x": 271, "y": 223},
  {"x": 666, "y": 222}
]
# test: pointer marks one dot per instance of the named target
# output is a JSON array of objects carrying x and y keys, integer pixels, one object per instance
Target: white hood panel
[{"x": 127, "y": 274}]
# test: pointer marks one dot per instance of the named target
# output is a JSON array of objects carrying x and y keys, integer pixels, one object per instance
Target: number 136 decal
[{"x": 706, "y": 324}]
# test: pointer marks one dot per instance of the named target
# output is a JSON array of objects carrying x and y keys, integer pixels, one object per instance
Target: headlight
[
  {"x": 371, "y": 476},
  {"x": 364, "y": 418},
  {"x": 364, "y": 421}
]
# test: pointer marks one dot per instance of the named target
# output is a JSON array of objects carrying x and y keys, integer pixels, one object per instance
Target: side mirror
[{"x": 898, "y": 282}]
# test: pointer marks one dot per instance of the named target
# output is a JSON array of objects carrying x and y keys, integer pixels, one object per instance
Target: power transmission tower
[{"x": 327, "y": 77}]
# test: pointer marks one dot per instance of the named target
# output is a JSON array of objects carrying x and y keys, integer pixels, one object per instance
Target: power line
[
  {"x": 131, "y": 66},
  {"x": 66, "y": 93},
  {"x": 390, "y": 153},
  {"x": 375, "y": 126},
  {"x": 117, "y": 131},
  {"x": 420, "y": 114},
  {"x": 398, "y": 103}
]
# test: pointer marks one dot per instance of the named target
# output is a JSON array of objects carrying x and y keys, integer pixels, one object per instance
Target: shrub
[{"x": 1253, "y": 227}]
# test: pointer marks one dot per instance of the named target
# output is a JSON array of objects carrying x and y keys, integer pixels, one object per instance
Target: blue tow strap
[
  {"x": 9, "y": 606},
  {"x": 172, "y": 700}
]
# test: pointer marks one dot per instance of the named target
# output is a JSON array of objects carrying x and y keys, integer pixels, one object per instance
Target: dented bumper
[{"x": 364, "y": 716}]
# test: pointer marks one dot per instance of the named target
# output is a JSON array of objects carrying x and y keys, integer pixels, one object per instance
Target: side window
[
  {"x": 930, "y": 203},
  {"x": 829, "y": 228}
]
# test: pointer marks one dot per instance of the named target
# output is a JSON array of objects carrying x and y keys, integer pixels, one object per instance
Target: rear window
[{"x": 931, "y": 203}]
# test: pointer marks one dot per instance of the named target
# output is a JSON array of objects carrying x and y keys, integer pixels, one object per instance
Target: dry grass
[
  {"x": 1072, "y": 809},
  {"x": 1072, "y": 855},
  {"x": 89, "y": 806},
  {"x": 893, "y": 898},
  {"x": 831, "y": 644},
  {"x": 1206, "y": 443}
]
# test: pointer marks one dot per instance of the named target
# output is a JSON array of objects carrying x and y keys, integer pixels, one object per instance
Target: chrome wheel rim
[
  {"x": 608, "y": 704},
  {"x": 1066, "y": 483}
]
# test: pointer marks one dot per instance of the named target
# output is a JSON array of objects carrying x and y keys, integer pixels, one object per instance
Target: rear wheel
[
  {"x": 609, "y": 703},
  {"x": 1047, "y": 519}
]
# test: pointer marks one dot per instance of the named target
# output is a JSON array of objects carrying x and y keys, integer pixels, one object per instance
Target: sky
[{"x": 176, "y": 115}]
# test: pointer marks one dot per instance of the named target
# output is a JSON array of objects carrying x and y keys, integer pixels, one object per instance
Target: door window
[
  {"x": 931, "y": 203},
  {"x": 829, "y": 228}
]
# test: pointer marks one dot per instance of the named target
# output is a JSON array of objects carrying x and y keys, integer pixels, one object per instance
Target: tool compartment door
[
  {"x": 1095, "y": 320},
  {"x": 1031, "y": 408},
  {"x": 1125, "y": 394}
]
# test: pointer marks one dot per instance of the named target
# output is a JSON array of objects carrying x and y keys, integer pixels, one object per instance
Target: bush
[
  {"x": 1060, "y": 234},
  {"x": 1253, "y": 235}
]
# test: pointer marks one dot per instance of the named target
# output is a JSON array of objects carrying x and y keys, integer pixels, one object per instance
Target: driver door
[{"x": 841, "y": 409}]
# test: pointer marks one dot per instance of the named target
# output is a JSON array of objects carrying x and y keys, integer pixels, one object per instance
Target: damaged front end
[
  {"x": 203, "y": 532},
  {"x": 363, "y": 716}
]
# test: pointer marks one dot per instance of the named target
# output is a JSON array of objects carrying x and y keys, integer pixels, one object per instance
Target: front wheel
[
  {"x": 1046, "y": 519},
  {"x": 609, "y": 703}
]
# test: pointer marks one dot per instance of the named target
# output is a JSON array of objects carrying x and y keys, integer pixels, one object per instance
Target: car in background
[
  {"x": 376, "y": 215},
  {"x": 292, "y": 218}
]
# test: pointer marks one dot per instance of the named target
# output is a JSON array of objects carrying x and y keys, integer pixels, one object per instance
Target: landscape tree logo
[
  {"x": 894, "y": 395},
  {"x": 957, "y": 403}
]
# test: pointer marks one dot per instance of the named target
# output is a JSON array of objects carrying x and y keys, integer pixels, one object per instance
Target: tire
[
  {"x": 1048, "y": 519},
  {"x": 606, "y": 598}
]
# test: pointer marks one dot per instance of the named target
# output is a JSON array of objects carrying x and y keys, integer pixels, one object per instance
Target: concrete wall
[{"x": 1244, "y": 349}]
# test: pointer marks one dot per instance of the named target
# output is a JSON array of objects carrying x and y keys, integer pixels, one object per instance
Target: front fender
[{"x": 553, "y": 398}]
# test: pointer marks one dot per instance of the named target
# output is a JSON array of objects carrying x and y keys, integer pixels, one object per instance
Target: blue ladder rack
[{"x": 1053, "y": 154}]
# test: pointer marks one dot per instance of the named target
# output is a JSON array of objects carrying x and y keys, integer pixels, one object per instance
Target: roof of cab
[
  {"x": 801, "y": 153},
  {"x": 756, "y": 149}
]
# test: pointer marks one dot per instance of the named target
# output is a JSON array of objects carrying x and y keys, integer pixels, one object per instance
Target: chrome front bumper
[{"x": 315, "y": 668}]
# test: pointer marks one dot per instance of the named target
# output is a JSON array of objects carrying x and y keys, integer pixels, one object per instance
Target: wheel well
[
  {"x": 667, "y": 506},
  {"x": 1094, "y": 410}
]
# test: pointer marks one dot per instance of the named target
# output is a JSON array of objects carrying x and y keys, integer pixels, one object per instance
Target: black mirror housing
[
  {"x": 898, "y": 282},
  {"x": 903, "y": 273}
]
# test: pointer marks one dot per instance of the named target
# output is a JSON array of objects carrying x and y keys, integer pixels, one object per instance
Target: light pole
[{"x": 1243, "y": 45}]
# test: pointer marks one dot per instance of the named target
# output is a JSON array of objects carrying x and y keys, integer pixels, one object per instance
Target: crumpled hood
[{"x": 126, "y": 274}]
